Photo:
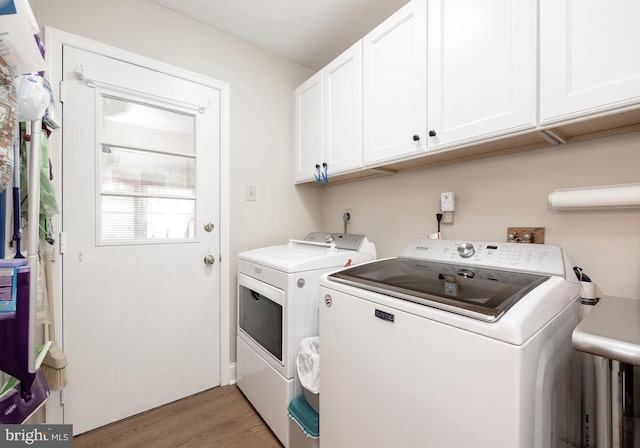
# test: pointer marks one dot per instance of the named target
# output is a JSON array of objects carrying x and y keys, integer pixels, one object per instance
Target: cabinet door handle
[
  {"x": 416, "y": 138},
  {"x": 432, "y": 133}
]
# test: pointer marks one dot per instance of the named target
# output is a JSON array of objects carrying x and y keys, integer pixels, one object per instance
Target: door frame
[{"x": 54, "y": 41}]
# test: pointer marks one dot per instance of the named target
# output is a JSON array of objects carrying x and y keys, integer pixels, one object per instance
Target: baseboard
[{"x": 233, "y": 378}]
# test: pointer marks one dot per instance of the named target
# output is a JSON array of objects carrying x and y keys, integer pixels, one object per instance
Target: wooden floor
[{"x": 220, "y": 417}]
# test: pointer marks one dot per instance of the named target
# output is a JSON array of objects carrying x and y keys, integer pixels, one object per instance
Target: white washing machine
[
  {"x": 451, "y": 345},
  {"x": 278, "y": 290}
]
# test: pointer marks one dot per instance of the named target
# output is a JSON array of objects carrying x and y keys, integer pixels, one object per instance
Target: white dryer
[
  {"x": 452, "y": 344},
  {"x": 278, "y": 290}
]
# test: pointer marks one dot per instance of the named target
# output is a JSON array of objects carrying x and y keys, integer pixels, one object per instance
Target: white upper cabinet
[
  {"x": 394, "y": 86},
  {"x": 329, "y": 118},
  {"x": 309, "y": 128},
  {"x": 445, "y": 79},
  {"x": 589, "y": 58},
  {"x": 481, "y": 69},
  {"x": 342, "y": 80}
]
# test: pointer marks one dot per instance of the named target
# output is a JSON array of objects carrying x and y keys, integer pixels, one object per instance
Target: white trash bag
[
  {"x": 33, "y": 98},
  {"x": 308, "y": 363}
]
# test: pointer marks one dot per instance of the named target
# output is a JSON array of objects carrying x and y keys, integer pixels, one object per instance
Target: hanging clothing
[{"x": 8, "y": 122}]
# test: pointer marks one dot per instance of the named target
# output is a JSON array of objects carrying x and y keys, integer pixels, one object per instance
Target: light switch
[{"x": 251, "y": 193}]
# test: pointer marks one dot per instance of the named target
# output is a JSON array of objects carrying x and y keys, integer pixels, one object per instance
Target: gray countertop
[{"x": 611, "y": 330}]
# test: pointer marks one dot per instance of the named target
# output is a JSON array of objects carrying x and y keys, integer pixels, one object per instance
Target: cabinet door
[
  {"x": 342, "y": 82},
  {"x": 589, "y": 59},
  {"x": 394, "y": 79},
  {"x": 308, "y": 128},
  {"x": 481, "y": 69}
]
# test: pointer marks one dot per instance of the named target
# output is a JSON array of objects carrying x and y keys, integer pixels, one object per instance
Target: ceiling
[{"x": 309, "y": 32}]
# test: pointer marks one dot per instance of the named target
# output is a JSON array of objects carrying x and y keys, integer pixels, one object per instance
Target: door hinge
[
  {"x": 62, "y": 240},
  {"x": 62, "y": 91}
]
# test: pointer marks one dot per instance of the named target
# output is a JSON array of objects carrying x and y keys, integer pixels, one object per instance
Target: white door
[
  {"x": 481, "y": 69},
  {"x": 342, "y": 86},
  {"x": 140, "y": 182},
  {"x": 588, "y": 57},
  {"x": 394, "y": 76}
]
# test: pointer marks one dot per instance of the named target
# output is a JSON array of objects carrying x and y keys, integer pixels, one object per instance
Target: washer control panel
[{"x": 535, "y": 258}]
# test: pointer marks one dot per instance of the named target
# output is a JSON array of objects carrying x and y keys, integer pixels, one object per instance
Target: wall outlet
[
  {"x": 447, "y": 218},
  {"x": 447, "y": 202}
]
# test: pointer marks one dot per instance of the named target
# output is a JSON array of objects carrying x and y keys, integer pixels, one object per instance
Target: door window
[{"x": 146, "y": 172}]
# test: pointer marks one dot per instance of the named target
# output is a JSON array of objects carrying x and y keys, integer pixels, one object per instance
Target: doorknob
[
  {"x": 209, "y": 259},
  {"x": 208, "y": 227}
]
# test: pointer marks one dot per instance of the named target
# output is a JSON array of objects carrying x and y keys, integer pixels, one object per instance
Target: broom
[{"x": 54, "y": 365}]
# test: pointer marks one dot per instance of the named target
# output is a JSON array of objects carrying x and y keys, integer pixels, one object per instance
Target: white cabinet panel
[
  {"x": 309, "y": 127},
  {"x": 589, "y": 60},
  {"x": 342, "y": 82},
  {"x": 329, "y": 118},
  {"x": 394, "y": 83},
  {"x": 481, "y": 69}
]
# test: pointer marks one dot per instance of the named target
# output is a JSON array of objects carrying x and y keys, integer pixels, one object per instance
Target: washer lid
[
  {"x": 297, "y": 258},
  {"x": 480, "y": 293}
]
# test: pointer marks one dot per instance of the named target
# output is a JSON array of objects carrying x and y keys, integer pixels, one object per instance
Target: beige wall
[
  {"x": 261, "y": 98},
  {"x": 495, "y": 193}
]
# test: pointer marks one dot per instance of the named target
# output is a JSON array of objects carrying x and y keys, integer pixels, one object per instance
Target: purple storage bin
[{"x": 14, "y": 336}]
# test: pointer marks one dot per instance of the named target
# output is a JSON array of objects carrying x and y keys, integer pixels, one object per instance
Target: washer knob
[{"x": 466, "y": 250}]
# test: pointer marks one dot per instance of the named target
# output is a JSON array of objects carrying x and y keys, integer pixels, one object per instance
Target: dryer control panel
[{"x": 346, "y": 241}]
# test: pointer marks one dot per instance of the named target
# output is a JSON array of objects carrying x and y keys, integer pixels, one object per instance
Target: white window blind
[{"x": 147, "y": 169}]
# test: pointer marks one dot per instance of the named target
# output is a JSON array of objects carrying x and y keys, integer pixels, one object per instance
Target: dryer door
[{"x": 261, "y": 315}]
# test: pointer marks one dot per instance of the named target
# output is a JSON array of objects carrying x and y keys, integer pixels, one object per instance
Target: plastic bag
[
  {"x": 33, "y": 98},
  {"x": 308, "y": 363},
  {"x": 48, "y": 201},
  {"x": 8, "y": 123}
]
